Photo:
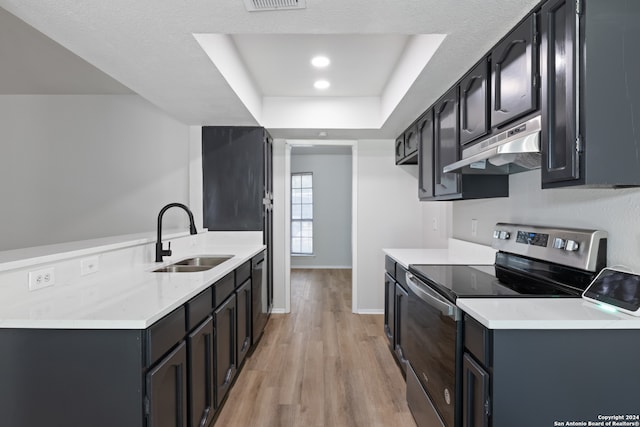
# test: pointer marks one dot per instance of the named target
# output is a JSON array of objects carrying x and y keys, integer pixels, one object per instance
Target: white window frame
[{"x": 306, "y": 219}]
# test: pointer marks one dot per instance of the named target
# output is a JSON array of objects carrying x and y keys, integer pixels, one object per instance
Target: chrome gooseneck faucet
[{"x": 192, "y": 229}]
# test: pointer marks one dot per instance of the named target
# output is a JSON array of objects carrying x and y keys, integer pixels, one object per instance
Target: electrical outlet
[
  {"x": 42, "y": 278},
  {"x": 474, "y": 227},
  {"x": 434, "y": 224},
  {"x": 89, "y": 265}
]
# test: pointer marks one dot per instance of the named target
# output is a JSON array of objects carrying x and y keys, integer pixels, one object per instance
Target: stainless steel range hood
[{"x": 515, "y": 150}]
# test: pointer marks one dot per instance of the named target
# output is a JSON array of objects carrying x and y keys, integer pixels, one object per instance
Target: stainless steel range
[{"x": 531, "y": 262}]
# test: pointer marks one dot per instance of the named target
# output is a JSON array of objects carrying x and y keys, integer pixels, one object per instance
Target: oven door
[{"x": 434, "y": 339}]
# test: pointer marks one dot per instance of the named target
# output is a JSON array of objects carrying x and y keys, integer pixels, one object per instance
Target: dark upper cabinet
[
  {"x": 474, "y": 103},
  {"x": 399, "y": 149},
  {"x": 407, "y": 147},
  {"x": 446, "y": 148},
  {"x": 236, "y": 177},
  {"x": 514, "y": 63},
  {"x": 557, "y": 59},
  {"x": 425, "y": 156},
  {"x": 590, "y": 125}
]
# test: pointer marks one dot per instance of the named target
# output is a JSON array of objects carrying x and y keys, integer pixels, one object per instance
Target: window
[{"x": 302, "y": 213}]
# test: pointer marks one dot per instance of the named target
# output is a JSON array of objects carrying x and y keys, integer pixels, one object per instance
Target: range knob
[
  {"x": 571, "y": 245},
  {"x": 559, "y": 243},
  {"x": 504, "y": 235},
  {"x": 496, "y": 234}
]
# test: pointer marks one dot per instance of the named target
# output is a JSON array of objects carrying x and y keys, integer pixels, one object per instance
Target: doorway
[{"x": 345, "y": 254}]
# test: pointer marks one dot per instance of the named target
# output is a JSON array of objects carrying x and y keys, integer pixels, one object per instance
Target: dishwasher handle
[{"x": 433, "y": 298}]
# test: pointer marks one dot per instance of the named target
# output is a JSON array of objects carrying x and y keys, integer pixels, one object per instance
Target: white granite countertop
[
  {"x": 545, "y": 313},
  {"x": 457, "y": 252},
  {"x": 128, "y": 297}
]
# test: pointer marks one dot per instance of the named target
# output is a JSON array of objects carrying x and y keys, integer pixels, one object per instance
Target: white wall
[
  {"x": 614, "y": 211},
  {"x": 83, "y": 166},
  {"x": 389, "y": 216},
  {"x": 331, "y": 205}
]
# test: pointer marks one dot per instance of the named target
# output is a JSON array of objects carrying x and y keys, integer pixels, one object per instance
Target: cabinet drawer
[
  {"x": 243, "y": 273},
  {"x": 198, "y": 308},
  {"x": 223, "y": 288},
  {"x": 390, "y": 266},
  {"x": 477, "y": 340},
  {"x": 165, "y": 334}
]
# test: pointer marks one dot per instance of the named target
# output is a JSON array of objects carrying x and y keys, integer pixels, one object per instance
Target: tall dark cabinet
[{"x": 237, "y": 169}]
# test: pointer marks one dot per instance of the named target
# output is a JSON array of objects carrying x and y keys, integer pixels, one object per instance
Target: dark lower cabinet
[
  {"x": 475, "y": 394},
  {"x": 243, "y": 302},
  {"x": 389, "y": 308},
  {"x": 538, "y": 377},
  {"x": 166, "y": 401},
  {"x": 201, "y": 386},
  {"x": 225, "y": 347},
  {"x": 401, "y": 306}
]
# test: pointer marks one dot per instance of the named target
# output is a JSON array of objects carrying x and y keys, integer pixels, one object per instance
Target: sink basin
[
  {"x": 205, "y": 261},
  {"x": 181, "y": 269},
  {"x": 195, "y": 264}
]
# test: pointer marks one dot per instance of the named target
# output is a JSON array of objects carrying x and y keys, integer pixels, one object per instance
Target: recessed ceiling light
[
  {"x": 320, "y": 61},
  {"x": 322, "y": 134},
  {"x": 321, "y": 84}
]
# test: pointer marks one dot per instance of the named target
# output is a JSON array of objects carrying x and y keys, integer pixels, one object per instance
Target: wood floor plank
[{"x": 320, "y": 365}]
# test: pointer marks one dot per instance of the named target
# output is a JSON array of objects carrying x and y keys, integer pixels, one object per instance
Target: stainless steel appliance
[{"x": 531, "y": 261}]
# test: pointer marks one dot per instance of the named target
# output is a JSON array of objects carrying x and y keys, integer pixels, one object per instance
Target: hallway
[{"x": 320, "y": 365}]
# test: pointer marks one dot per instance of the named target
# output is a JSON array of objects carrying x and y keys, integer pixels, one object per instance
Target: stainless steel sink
[
  {"x": 181, "y": 269},
  {"x": 205, "y": 261},
  {"x": 195, "y": 264}
]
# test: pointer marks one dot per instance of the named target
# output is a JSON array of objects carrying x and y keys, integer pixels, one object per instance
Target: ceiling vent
[{"x": 264, "y": 5}]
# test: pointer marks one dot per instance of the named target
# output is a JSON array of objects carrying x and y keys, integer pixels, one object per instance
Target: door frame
[{"x": 289, "y": 144}]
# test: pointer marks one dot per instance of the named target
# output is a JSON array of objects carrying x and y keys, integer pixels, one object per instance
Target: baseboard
[
  {"x": 371, "y": 311},
  {"x": 278, "y": 311},
  {"x": 321, "y": 267}
]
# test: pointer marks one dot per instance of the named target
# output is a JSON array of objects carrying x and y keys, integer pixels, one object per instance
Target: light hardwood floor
[{"x": 320, "y": 365}]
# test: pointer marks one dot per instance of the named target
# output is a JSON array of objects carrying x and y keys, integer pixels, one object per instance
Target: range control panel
[{"x": 578, "y": 248}]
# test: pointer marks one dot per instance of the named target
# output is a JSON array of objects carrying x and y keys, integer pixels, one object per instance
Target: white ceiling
[
  {"x": 280, "y": 63},
  {"x": 150, "y": 48}
]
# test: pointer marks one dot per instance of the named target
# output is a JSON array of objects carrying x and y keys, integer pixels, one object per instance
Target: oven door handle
[{"x": 433, "y": 299}]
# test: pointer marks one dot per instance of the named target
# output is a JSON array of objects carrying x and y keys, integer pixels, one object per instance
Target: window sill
[{"x": 303, "y": 255}]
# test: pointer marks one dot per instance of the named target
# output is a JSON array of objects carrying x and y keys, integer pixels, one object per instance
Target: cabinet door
[
  {"x": 446, "y": 143},
  {"x": 425, "y": 153},
  {"x": 399, "y": 148},
  {"x": 401, "y": 306},
  {"x": 475, "y": 397},
  {"x": 474, "y": 103},
  {"x": 166, "y": 401},
  {"x": 514, "y": 75},
  {"x": 389, "y": 308},
  {"x": 243, "y": 301},
  {"x": 557, "y": 55},
  {"x": 201, "y": 390},
  {"x": 225, "y": 347},
  {"x": 411, "y": 140}
]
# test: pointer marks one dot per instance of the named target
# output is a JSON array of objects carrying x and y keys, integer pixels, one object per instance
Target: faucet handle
[{"x": 167, "y": 252}]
